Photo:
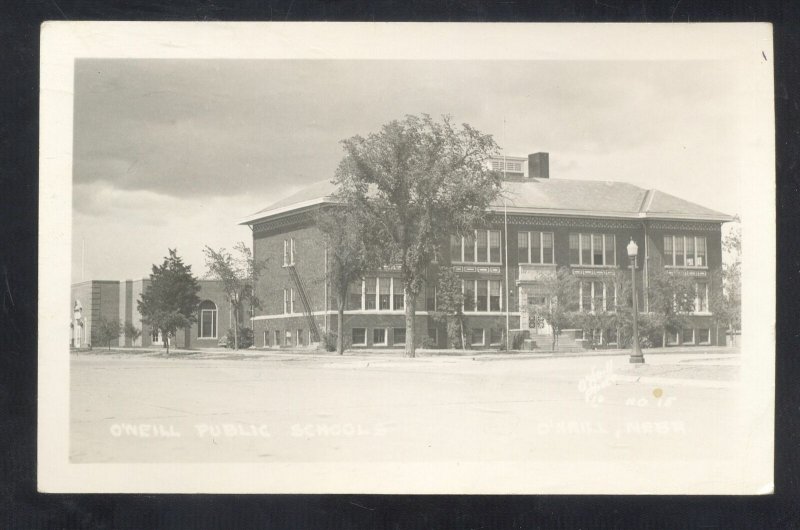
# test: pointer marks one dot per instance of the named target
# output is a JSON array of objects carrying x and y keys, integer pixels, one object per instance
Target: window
[
  {"x": 288, "y": 252},
  {"x": 494, "y": 246},
  {"x": 701, "y": 297},
  {"x": 399, "y": 336},
  {"x": 574, "y": 249},
  {"x": 286, "y": 306},
  {"x": 277, "y": 337},
  {"x": 669, "y": 254},
  {"x": 597, "y": 296},
  {"x": 382, "y": 294},
  {"x": 482, "y": 295},
  {"x": 703, "y": 336},
  {"x": 379, "y": 337},
  {"x": 547, "y": 247},
  {"x": 430, "y": 296},
  {"x": 299, "y": 336},
  {"x": 469, "y": 248},
  {"x": 690, "y": 252},
  {"x": 700, "y": 252},
  {"x": 398, "y": 298},
  {"x": 482, "y": 246},
  {"x": 494, "y": 295},
  {"x": 291, "y": 300},
  {"x": 208, "y": 320},
  {"x": 359, "y": 336},
  {"x": 672, "y": 337},
  {"x": 473, "y": 248},
  {"x": 586, "y": 249},
  {"x": 477, "y": 337},
  {"x": 611, "y": 253},
  {"x": 597, "y": 249},
  {"x": 495, "y": 337},
  {"x": 679, "y": 252},
  {"x": 354, "y": 296},
  {"x": 687, "y": 336},
  {"x": 384, "y": 290},
  {"x": 266, "y": 338},
  {"x": 535, "y": 247},
  {"x": 370, "y": 292},
  {"x": 592, "y": 249},
  {"x": 469, "y": 294},
  {"x": 685, "y": 251},
  {"x": 522, "y": 247},
  {"x": 288, "y": 337}
]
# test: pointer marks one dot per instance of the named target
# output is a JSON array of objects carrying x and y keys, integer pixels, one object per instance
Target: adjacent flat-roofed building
[
  {"x": 117, "y": 300},
  {"x": 584, "y": 225}
]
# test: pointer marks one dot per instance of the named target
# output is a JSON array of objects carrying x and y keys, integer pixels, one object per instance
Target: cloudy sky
[{"x": 173, "y": 153}]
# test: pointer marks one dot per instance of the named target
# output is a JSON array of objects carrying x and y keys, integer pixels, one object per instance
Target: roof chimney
[{"x": 539, "y": 166}]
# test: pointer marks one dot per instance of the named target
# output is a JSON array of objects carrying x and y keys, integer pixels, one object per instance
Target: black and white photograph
[{"x": 407, "y": 258}]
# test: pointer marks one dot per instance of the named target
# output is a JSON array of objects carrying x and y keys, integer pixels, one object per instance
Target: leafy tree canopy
[
  {"x": 170, "y": 300},
  {"x": 418, "y": 181}
]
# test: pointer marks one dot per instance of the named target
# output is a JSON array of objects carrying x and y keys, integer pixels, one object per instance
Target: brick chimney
[{"x": 539, "y": 166}]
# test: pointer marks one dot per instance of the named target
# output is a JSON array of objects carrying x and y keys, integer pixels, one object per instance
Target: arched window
[{"x": 208, "y": 320}]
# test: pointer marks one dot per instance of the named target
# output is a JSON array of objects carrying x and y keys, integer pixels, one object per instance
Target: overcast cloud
[{"x": 173, "y": 153}]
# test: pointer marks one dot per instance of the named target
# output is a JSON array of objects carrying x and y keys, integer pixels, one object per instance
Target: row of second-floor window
[
  {"x": 592, "y": 249},
  {"x": 535, "y": 247},
  {"x": 685, "y": 251},
  {"x": 481, "y": 247},
  {"x": 288, "y": 252},
  {"x": 377, "y": 294}
]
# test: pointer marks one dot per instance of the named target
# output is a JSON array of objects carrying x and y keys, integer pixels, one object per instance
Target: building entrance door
[{"x": 534, "y": 301}]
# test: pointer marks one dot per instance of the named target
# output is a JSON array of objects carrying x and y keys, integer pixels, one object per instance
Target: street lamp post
[{"x": 636, "y": 351}]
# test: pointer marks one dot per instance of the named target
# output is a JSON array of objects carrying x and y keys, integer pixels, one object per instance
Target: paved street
[{"x": 308, "y": 408}]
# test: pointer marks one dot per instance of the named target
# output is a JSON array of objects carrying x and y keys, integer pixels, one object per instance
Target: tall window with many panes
[
  {"x": 482, "y": 246},
  {"x": 535, "y": 247},
  {"x": 592, "y": 250},
  {"x": 685, "y": 251}
]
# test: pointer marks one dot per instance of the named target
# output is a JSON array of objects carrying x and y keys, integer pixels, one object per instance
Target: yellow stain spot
[{"x": 657, "y": 392}]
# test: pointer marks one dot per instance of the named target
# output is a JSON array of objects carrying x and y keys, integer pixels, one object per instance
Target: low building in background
[
  {"x": 583, "y": 225},
  {"x": 117, "y": 300}
]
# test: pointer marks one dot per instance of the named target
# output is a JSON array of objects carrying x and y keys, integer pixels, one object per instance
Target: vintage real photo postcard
[{"x": 406, "y": 258}]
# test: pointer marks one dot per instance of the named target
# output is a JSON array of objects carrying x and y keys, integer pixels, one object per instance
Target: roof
[{"x": 561, "y": 197}]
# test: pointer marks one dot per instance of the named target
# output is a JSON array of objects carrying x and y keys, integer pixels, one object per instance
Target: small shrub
[
  {"x": 329, "y": 340},
  {"x": 246, "y": 338}
]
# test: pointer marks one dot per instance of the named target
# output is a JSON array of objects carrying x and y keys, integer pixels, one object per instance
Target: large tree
[
  {"x": 350, "y": 254},
  {"x": 170, "y": 300},
  {"x": 238, "y": 273},
  {"x": 417, "y": 182}
]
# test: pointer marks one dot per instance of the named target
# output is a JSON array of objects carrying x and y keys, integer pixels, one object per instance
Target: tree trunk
[
  {"x": 411, "y": 311},
  {"x": 166, "y": 341},
  {"x": 235, "y": 328},
  {"x": 340, "y": 327},
  {"x": 463, "y": 335}
]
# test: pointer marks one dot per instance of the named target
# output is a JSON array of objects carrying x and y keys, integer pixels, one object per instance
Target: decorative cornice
[
  {"x": 572, "y": 222},
  {"x": 282, "y": 222},
  {"x": 679, "y": 225}
]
